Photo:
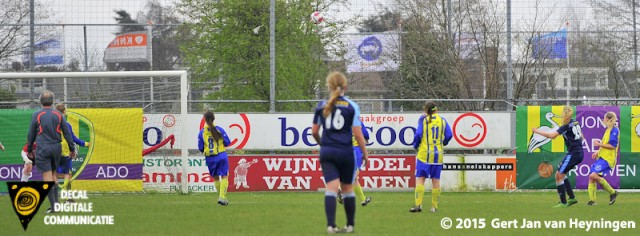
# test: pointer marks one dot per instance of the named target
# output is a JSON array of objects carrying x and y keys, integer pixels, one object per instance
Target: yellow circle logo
[{"x": 26, "y": 201}]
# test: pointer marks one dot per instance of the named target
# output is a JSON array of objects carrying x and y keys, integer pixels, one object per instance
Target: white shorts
[{"x": 25, "y": 158}]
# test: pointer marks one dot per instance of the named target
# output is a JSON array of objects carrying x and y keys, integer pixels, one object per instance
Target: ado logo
[{"x": 469, "y": 129}]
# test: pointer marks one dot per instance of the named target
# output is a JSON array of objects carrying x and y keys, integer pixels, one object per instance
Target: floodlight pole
[
  {"x": 272, "y": 56},
  {"x": 31, "y": 43},
  {"x": 509, "y": 65}
]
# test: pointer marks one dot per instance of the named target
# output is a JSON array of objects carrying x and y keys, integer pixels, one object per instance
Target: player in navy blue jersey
[
  {"x": 339, "y": 118},
  {"x": 572, "y": 134},
  {"x": 360, "y": 163}
]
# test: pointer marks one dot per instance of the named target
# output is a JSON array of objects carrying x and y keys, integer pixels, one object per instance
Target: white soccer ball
[{"x": 316, "y": 17}]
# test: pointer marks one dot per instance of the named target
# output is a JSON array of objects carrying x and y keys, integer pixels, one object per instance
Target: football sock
[
  {"x": 605, "y": 185},
  {"x": 567, "y": 186},
  {"x": 435, "y": 197},
  {"x": 53, "y": 195},
  {"x": 357, "y": 189},
  {"x": 224, "y": 184},
  {"x": 25, "y": 177},
  {"x": 350, "y": 207},
  {"x": 419, "y": 194},
  {"x": 330, "y": 207},
  {"x": 561, "y": 192},
  {"x": 592, "y": 191},
  {"x": 217, "y": 185}
]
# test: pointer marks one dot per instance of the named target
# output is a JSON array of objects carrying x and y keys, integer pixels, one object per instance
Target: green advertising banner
[
  {"x": 538, "y": 157},
  {"x": 13, "y": 135}
]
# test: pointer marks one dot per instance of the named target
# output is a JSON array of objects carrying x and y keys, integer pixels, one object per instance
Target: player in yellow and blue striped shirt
[
  {"x": 66, "y": 163},
  {"x": 432, "y": 134},
  {"x": 606, "y": 159},
  {"x": 212, "y": 141}
]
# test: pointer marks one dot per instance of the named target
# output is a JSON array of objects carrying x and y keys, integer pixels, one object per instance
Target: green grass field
[{"x": 303, "y": 214}]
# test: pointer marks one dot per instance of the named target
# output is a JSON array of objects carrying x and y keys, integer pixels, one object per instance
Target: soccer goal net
[{"x": 130, "y": 123}]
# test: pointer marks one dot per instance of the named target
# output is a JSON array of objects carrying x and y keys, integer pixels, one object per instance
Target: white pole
[
  {"x": 568, "y": 68},
  {"x": 183, "y": 133},
  {"x": 64, "y": 81},
  {"x": 150, "y": 56}
]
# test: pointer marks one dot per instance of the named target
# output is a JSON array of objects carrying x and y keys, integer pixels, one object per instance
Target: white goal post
[{"x": 142, "y": 75}]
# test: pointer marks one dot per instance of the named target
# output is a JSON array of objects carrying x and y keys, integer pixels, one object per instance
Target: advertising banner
[
  {"x": 293, "y": 131},
  {"x": 112, "y": 163},
  {"x": 538, "y": 157},
  {"x": 128, "y": 47},
  {"x": 304, "y": 173},
  {"x": 373, "y": 53}
]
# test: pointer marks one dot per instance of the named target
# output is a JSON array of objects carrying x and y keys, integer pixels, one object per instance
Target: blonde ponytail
[{"x": 336, "y": 83}]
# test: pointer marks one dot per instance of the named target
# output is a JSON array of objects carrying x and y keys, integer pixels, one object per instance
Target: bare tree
[
  {"x": 14, "y": 27},
  {"x": 617, "y": 45}
]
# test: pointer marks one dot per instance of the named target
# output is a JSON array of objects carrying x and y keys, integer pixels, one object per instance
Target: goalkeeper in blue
[
  {"x": 432, "y": 134},
  {"x": 606, "y": 159},
  {"x": 66, "y": 163},
  {"x": 212, "y": 141},
  {"x": 340, "y": 119}
]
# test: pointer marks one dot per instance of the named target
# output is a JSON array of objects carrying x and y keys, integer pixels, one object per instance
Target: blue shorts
[
  {"x": 569, "y": 162},
  {"x": 430, "y": 171},
  {"x": 65, "y": 165},
  {"x": 338, "y": 163},
  {"x": 600, "y": 167},
  {"x": 218, "y": 165},
  {"x": 358, "y": 153}
]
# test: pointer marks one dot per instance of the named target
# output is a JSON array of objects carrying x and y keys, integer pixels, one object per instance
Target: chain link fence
[{"x": 453, "y": 52}]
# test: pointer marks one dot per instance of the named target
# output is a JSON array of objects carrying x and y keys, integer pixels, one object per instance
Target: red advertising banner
[{"x": 304, "y": 173}]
